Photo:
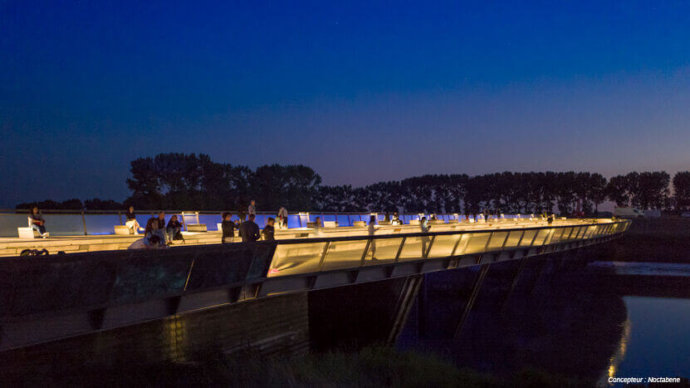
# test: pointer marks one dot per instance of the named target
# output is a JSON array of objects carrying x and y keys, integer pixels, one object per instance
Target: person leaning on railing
[{"x": 37, "y": 223}]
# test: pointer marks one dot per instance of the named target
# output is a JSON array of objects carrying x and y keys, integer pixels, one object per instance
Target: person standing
[
  {"x": 424, "y": 225},
  {"x": 317, "y": 227},
  {"x": 252, "y": 208},
  {"x": 372, "y": 242},
  {"x": 283, "y": 217},
  {"x": 37, "y": 223},
  {"x": 269, "y": 230},
  {"x": 228, "y": 227},
  {"x": 131, "y": 221},
  {"x": 249, "y": 230}
]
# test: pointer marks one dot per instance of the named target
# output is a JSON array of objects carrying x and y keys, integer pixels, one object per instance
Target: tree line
[{"x": 191, "y": 181}]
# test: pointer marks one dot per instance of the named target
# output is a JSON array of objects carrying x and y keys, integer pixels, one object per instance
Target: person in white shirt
[{"x": 283, "y": 216}]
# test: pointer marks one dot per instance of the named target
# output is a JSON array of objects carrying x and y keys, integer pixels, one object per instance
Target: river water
[{"x": 586, "y": 322}]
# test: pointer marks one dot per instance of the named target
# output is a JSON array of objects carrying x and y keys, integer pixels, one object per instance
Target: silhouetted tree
[{"x": 681, "y": 190}]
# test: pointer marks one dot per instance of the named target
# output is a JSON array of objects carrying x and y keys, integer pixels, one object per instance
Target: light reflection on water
[
  {"x": 659, "y": 344},
  {"x": 569, "y": 321}
]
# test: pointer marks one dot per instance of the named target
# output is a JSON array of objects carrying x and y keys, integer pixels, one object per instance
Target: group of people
[
  {"x": 247, "y": 230},
  {"x": 156, "y": 233}
]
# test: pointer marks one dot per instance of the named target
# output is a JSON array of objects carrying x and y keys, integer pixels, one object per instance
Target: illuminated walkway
[{"x": 12, "y": 246}]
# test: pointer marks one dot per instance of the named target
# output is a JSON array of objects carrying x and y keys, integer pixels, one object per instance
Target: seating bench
[
  {"x": 196, "y": 228},
  {"x": 330, "y": 224},
  {"x": 27, "y": 232},
  {"x": 121, "y": 230}
]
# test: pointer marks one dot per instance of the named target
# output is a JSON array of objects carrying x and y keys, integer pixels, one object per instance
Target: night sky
[{"x": 359, "y": 91}]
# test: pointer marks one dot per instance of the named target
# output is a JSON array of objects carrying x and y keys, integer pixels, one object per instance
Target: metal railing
[
  {"x": 101, "y": 222},
  {"x": 324, "y": 254}
]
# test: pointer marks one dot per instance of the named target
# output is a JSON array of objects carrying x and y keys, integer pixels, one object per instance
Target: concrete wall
[{"x": 276, "y": 325}]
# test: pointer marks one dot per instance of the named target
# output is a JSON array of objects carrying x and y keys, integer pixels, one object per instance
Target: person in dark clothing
[
  {"x": 36, "y": 222},
  {"x": 228, "y": 227},
  {"x": 174, "y": 229},
  {"x": 249, "y": 230},
  {"x": 269, "y": 230},
  {"x": 387, "y": 217},
  {"x": 156, "y": 226}
]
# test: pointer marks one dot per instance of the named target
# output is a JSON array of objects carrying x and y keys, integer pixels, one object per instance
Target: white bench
[
  {"x": 359, "y": 224},
  {"x": 122, "y": 230},
  {"x": 414, "y": 222},
  {"x": 27, "y": 232},
  {"x": 196, "y": 228},
  {"x": 330, "y": 224}
]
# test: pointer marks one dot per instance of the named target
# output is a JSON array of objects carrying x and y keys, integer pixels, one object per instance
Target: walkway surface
[{"x": 12, "y": 246}]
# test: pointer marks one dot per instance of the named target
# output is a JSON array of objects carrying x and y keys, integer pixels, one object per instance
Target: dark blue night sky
[{"x": 360, "y": 91}]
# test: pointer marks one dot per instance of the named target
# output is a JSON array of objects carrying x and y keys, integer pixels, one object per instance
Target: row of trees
[{"x": 190, "y": 181}]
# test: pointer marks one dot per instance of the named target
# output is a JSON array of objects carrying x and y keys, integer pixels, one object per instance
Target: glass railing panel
[
  {"x": 413, "y": 247},
  {"x": 443, "y": 245},
  {"x": 477, "y": 243},
  {"x": 542, "y": 235},
  {"x": 567, "y": 234},
  {"x": 98, "y": 224},
  {"x": 344, "y": 254},
  {"x": 497, "y": 240},
  {"x": 291, "y": 259},
  {"x": 577, "y": 235},
  {"x": 513, "y": 239},
  {"x": 530, "y": 234},
  {"x": 343, "y": 220},
  {"x": 556, "y": 236},
  {"x": 382, "y": 251}
]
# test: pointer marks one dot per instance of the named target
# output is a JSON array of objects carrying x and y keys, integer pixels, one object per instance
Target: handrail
[{"x": 234, "y": 211}]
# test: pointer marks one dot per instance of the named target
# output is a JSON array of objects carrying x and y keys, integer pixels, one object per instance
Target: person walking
[
  {"x": 249, "y": 230},
  {"x": 372, "y": 242},
  {"x": 269, "y": 230}
]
